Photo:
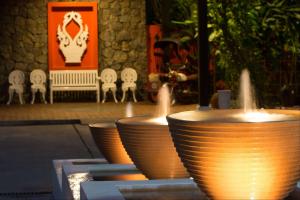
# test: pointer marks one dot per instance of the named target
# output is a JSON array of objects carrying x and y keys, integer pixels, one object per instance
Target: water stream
[
  {"x": 129, "y": 110},
  {"x": 164, "y": 102},
  {"x": 248, "y": 105},
  {"x": 247, "y": 96}
]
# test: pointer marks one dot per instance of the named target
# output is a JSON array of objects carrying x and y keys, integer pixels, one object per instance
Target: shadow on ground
[{"x": 26, "y": 154}]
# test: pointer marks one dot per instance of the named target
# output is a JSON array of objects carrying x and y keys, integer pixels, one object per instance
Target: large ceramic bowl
[
  {"x": 149, "y": 145},
  {"x": 107, "y": 139},
  {"x": 235, "y": 156}
]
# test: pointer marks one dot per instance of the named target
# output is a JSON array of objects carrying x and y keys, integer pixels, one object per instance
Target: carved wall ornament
[{"x": 72, "y": 48}]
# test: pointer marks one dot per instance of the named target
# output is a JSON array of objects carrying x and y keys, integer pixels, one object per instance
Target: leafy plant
[
  {"x": 261, "y": 35},
  {"x": 256, "y": 35}
]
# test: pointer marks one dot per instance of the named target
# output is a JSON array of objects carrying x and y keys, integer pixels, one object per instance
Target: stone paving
[
  {"x": 26, "y": 154},
  {"x": 85, "y": 112},
  {"x": 31, "y": 136}
]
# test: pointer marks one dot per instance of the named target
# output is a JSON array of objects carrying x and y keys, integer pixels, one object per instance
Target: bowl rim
[
  {"x": 108, "y": 124},
  {"x": 139, "y": 120},
  {"x": 293, "y": 113}
]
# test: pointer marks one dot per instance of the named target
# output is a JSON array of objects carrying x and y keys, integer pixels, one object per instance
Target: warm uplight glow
[
  {"x": 253, "y": 156},
  {"x": 149, "y": 144},
  {"x": 159, "y": 120},
  {"x": 249, "y": 177},
  {"x": 240, "y": 154},
  {"x": 107, "y": 139},
  {"x": 260, "y": 116},
  {"x": 120, "y": 177}
]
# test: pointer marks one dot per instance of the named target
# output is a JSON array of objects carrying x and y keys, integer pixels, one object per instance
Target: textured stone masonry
[{"x": 23, "y": 38}]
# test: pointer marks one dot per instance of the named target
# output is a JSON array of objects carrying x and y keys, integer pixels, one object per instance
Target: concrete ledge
[
  {"x": 74, "y": 174},
  {"x": 174, "y": 189},
  {"x": 58, "y": 171},
  {"x": 68, "y": 175}
]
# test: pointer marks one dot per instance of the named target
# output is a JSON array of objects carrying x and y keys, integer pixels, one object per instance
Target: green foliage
[
  {"x": 170, "y": 12},
  {"x": 256, "y": 35},
  {"x": 253, "y": 34}
]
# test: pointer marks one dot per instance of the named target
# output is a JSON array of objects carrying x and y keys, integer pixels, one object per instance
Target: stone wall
[
  {"x": 23, "y": 38},
  {"x": 122, "y": 33}
]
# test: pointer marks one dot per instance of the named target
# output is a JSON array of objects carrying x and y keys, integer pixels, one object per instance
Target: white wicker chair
[
  {"x": 129, "y": 77},
  {"x": 108, "y": 78},
  {"x": 16, "y": 80},
  {"x": 38, "y": 84}
]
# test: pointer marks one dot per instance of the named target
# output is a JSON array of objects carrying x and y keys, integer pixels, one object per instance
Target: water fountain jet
[
  {"x": 148, "y": 142},
  {"x": 240, "y": 153},
  {"x": 247, "y": 95}
]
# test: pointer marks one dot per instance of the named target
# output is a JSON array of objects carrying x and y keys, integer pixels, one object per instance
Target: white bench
[{"x": 74, "y": 80}]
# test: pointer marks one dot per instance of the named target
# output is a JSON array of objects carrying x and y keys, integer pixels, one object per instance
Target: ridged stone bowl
[
  {"x": 108, "y": 141},
  {"x": 149, "y": 145},
  {"x": 235, "y": 156}
]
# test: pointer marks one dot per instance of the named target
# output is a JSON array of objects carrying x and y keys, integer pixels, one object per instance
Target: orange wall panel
[
  {"x": 89, "y": 14},
  {"x": 154, "y": 34}
]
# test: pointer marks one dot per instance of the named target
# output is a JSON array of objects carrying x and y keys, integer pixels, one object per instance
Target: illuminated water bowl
[
  {"x": 232, "y": 156},
  {"x": 108, "y": 141},
  {"x": 149, "y": 145}
]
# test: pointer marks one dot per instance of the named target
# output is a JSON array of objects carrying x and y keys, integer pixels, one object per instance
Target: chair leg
[
  {"x": 33, "y": 91},
  {"x": 44, "y": 97},
  {"x": 104, "y": 96},
  {"x": 133, "y": 94},
  {"x": 124, "y": 94},
  {"x": 20, "y": 94},
  {"x": 11, "y": 94},
  {"x": 114, "y": 94}
]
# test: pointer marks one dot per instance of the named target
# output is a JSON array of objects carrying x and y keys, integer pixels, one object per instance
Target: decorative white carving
[{"x": 72, "y": 48}]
